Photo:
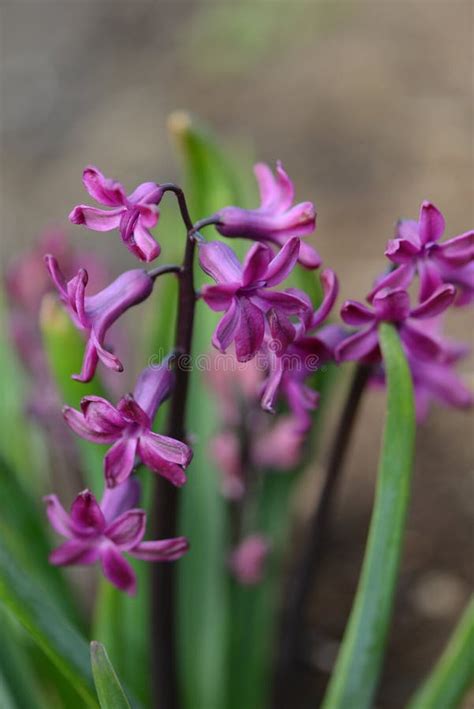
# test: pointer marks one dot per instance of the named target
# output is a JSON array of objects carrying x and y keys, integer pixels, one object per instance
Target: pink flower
[
  {"x": 242, "y": 291},
  {"x": 133, "y": 214},
  {"x": 248, "y": 559},
  {"x": 103, "y": 532},
  {"x": 416, "y": 249},
  {"x": 96, "y": 313},
  {"x": 276, "y": 220},
  {"x": 128, "y": 427},
  {"x": 394, "y": 306}
]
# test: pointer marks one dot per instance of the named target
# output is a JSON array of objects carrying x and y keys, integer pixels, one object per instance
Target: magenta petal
[
  {"x": 169, "y": 448},
  {"x": 407, "y": 229},
  {"x": 226, "y": 329},
  {"x": 392, "y": 305},
  {"x": 255, "y": 264},
  {"x": 74, "y": 552},
  {"x": 76, "y": 421},
  {"x": 58, "y": 517},
  {"x": 356, "y": 314},
  {"x": 330, "y": 286},
  {"x": 269, "y": 191},
  {"x": 459, "y": 250},
  {"x": 285, "y": 188},
  {"x": 291, "y": 301},
  {"x": 436, "y": 304},
  {"x": 362, "y": 345},
  {"x": 117, "y": 500},
  {"x": 142, "y": 244},
  {"x": 283, "y": 263},
  {"x": 431, "y": 223},
  {"x": 133, "y": 412},
  {"x": 89, "y": 363},
  {"x": 250, "y": 332},
  {"x": 282, "y": 330},
  {"x": 153, "y": 386},
  {"x": 220, "y": 262},
  {"x": 430, "y": 277},
  {"x": 56, "y": 276},
  {"x": 308, "y": 256},
  {"x": 118, "y": 570},
  {"x": 102, "y": 189},
  {"x": 219, "y": 297},
  {"x": 401, "y": 277},
  {"x": 86, "y": 513},
  {"x": 146, "y": 193},
  {"x": 101, "y": 416},
  {"x": 97, "y": 219},
  {"x": 418, "y": 343},
  {"x": 119, "y": 461},
  {"x": 127, "y": 530},
  {"x": 401, "y": 250},
  {"x": 162, "y": 550},
  {"x": 151, "y": 455},
  {"x": 272, "y": 386}
]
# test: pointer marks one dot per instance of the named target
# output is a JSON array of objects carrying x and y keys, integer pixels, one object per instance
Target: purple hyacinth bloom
[
  {"x": 133, "y": 214},
  {"x": 415, "y": 248},
  {"x": 393, "y": 305},
  {"x": 277, "y": 219},
  {"x": 242, "y": 291},
  {"x": 295, "y": 352},
  {"x": 104, "y": 532},
  {"x": 128, "y": 427},
  {"x": 95, "y": 314},
  {"x": 247, "y": 560}
]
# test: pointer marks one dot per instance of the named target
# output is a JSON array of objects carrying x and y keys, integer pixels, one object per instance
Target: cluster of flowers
[{"x": 279, "y": 328}]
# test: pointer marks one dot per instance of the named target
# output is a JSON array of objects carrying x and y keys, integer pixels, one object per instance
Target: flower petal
[
  {"x": 117, "y": 500},
  {"x": 361, "y": 346},
  {"x": 86, "y": 513},
  {"x": 330, "y": 286},
  {"x": 97, "y": 219},
  {"x": 76, "y": 421},
  {"x": 102, "y": 189},
  {"x": 154, "y": 385},
  {"x": 220, "y": 262},
  {"x": 431, "y": 223},
  {"x": 408, "y": 229},
  {"x": 139, "y": 241},
  {"x": 101, "y": 417},
  {"x": 356, "y": 314},
  {"x": 272, "y": 385},
  {"x": 418, "y": 343},
  {"x": 152, "y": 456},
  {"x": 282, "y": 330},
  {"x": 169, "y": 448},
  {"x": 127, "y": 530},
  {"x": 58, "y": 517},
  {"x": 227, "y": 327},
  {"x": 283, "y": 263},
  {"x": 401, "y": 277},
  {"x": 133, "y": 412},
  {"x": 308, "y": 256},
  {"x": 436, "y": 304},
  {"x": 401, "y": 250},
  {"x": 459, "y": 250},
  {"x": 219, "y": 297},
  {"x": 250, "y": 331},
  {"x": 119, "y": 461},
  {"x": 430, "y": 277},
  {"x": 118, "y": 570},
  {"x": 255, "y": 264},
  {"x": 89, "y": 363},
  {"x": 392, "y": 305},
  {"x": 267, "y": 185},
  {"x": 74, "y": 552},
  {"x": 146, "y": 193},
  {"x": 56, "y": 275},
  {"x": 162, "y": 550}
]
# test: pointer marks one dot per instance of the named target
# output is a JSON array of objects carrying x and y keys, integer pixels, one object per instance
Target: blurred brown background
[{"x": 369, "y": 105}]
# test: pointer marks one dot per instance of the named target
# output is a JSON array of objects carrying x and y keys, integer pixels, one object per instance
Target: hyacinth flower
[
  {"x": 393, "y": 306},
  {"x": 416, "y": 248},
  {"x": 95, "y": 314},
  {"x": 242, "y": 291},
  {"x": 295, "y": 352},
  {"x": 128, "y": 427},
  {"x": 277, "y": 219},
  {"x": 247, "y": 561},
  {"x": 104, "y": 532},
  {"x": 134, "y": 215}
]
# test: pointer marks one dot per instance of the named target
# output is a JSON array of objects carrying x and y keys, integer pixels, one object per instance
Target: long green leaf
[
  {"x": 29, "y": 604},
  {"x": 109, "y": 689},
  {"x": 360, "y": 659},
  {"x": 454, "y": 671}
]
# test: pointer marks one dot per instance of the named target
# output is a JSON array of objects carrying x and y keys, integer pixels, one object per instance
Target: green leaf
[
  {"x": 16, "y": 671},
  {"x": 109, "y": 690},
  {"x": 64, "y": 348},
  {"x": 454, "y": 671},
  {"x": 29, "y": 604},
  {"x": 359, "y": 662}
]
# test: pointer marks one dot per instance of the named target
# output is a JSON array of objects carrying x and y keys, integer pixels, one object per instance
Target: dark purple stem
[
  {"x": 303, "y": 579},
  {"x": 161, "y": 270},
  {"x": 163, "y": 626}
]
